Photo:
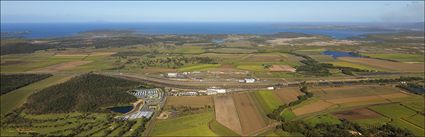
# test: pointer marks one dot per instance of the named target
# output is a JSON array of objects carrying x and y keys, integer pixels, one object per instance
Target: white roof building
[
  {"x": 249, "y": 80},
  {"x": 171, "y": 74},
  {"x": 216, "y": 90}
]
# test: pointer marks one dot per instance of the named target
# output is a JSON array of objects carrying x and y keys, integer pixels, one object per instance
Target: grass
[
  {"x": 198, "y": 67},
  {"x": 17, "y": 97},
  {"x": 221, "y": 130},
  {"x": 326, "y": 118},
  {"x": 193, "y": 125},
  {"x": 267, "y": 100},
  {"x": 34, "y": 61},
  {"x": 399, "y": 57}
]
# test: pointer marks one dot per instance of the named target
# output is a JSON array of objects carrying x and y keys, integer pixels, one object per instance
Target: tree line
[{"x": 10, "y": 82}]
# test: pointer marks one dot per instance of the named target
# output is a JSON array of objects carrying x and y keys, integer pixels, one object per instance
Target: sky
[{"x": 212, "y": 11}]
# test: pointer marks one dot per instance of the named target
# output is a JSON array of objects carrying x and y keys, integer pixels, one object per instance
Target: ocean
[{"x": 49, "y": 30}]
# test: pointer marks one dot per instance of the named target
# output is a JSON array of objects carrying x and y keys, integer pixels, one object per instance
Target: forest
[
  {"x": 10, "y": 82},
  {"x": 345, "y": 129},
  {"x": 85, "y": 93}
]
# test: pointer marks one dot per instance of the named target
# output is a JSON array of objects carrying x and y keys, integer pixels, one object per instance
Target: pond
[
  {"x": 336, "y": 54},
  {"x": 122, "y": 109}
]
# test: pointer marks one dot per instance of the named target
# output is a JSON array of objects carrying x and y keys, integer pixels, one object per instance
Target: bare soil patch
[
  {"x": 250, "y": 119},
  {"x": 226, "y": 114},
  {"x": 280, "y": 68},
  {"x": 354, "y": 114},
  {"x": 395, "y": 66},
  {"x": 287, "y": 95},
  {"x": 60, "y": 67},
  {"x": 311, "y": 108},
  {"x": 191, "y": 101}
]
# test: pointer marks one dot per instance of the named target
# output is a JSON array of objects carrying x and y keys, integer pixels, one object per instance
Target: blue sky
[{"x": 212, "y": 11}]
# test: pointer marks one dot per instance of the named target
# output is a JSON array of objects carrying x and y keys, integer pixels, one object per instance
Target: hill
[{"x": 85, "y": 93}]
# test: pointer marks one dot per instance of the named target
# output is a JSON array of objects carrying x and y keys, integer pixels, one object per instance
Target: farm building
[
  {"x": 211, "y": 92},
  {"x": 147, "y": 93},
  {"x": 249, "y": 80},
  {"x": 187, "y": 93},
  {"x": 220, "y": 91},
  {"x": 172, "y": 75},
  {"x": 140, "y": 114}
]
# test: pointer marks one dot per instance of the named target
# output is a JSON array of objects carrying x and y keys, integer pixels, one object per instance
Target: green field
[
  {"x": 327, "y": 118},
  {"x": 267, "y": 100},
  {"x": 399, "y": 57},
  {"x": 372, "y": 121},
  {"x": 17, "y": 97},
  {"x": 193, "y": 125},
  {"x": 221, "y": 130},
  {"x": 398, "y": 114},
  {"x": 34, "y": 61},
  {"x": 198, "y": 67}
]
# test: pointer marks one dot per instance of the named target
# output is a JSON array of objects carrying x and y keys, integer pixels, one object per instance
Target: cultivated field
[
  {"x": 278, "y": 68},
  {"x": 251, "y": 120},
  {"x": 226, "y": 113},
  {"x": 358, "y": 113},
  {"x": 190, "y": 101},
  {"x": 348, "y": 96},
  {"x": 189, "y": 125},
  {"x": 389, "y": 65},
  {"x": 287, "y": 95}
]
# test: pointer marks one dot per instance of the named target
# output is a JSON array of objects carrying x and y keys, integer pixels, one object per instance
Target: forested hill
[{"x": 85, "y": 93}]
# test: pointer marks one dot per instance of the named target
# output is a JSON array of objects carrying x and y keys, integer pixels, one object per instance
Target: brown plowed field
[
  {"x": 359, "y": 113},
  {"x": 250, "y": 119},
  {"x": 279, "y": 68},
  {"x": 396, "y": 66},
  {"x": 191, "y": 101},
  {"x": 287, "y": 95},
  {"x": 61, "y": 66},
  {"x": 311, "y": 108},
  {"x": 226, "y": 114}
]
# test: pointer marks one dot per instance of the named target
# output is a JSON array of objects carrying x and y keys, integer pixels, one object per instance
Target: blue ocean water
[{"x": 47, "y": 30}]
